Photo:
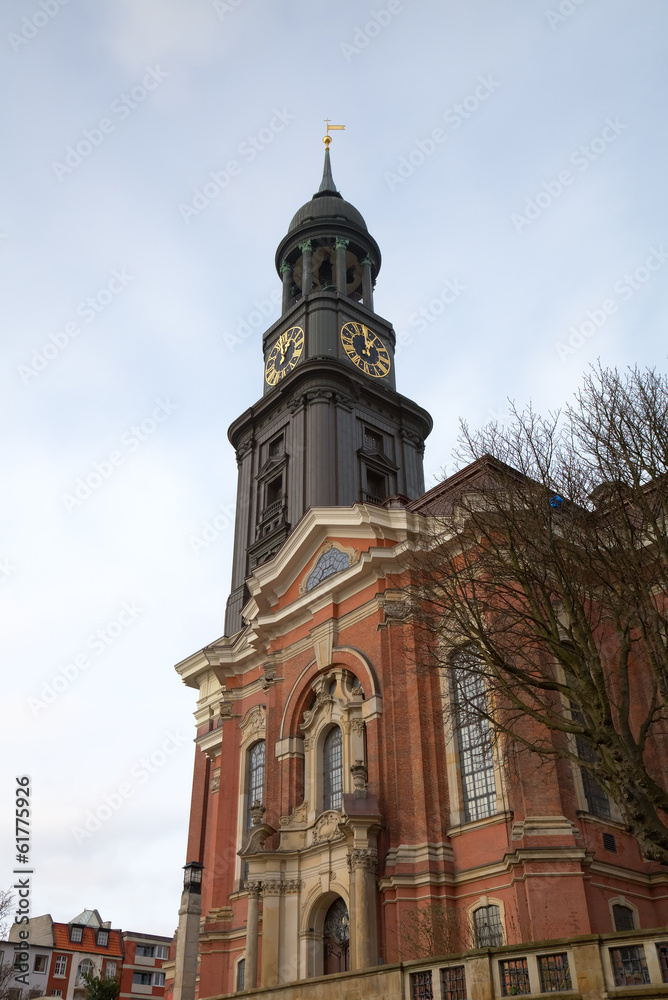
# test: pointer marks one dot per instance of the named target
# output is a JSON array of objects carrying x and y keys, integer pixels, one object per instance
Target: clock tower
[{"x": 330, "y": 429}]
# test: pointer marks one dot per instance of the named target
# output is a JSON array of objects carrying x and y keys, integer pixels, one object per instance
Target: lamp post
[{"x": 187, "y": 941}]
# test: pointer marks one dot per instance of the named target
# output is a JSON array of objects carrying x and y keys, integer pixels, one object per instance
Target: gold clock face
[
  {"x": 284, "y": 355},
  {"x": 365, "y": 349}
]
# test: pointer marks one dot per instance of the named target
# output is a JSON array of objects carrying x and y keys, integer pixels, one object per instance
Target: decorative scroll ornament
[{"x": 327, "y": 826}]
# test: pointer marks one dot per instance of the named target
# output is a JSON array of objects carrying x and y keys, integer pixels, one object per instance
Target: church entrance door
[{"x": 337, "y": 938}]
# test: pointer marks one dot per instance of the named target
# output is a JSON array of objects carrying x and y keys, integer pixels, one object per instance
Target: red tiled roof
[{"x": 88, "y": 943}]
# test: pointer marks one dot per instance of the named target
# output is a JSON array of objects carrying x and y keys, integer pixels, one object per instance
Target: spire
[{"x": 327, "y": 185}]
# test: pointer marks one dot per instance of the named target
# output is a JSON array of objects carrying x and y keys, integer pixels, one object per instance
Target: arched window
[
  {"x": 241, "y": 974},
  {"x": 85, "y": 968},
  {"x": 332, "y": 769},
  {"x": 623, "y": 917},
  {"x": 487, "y": 928},
  {"x": 255, "y": 784},
  {"x": 476, "y": 761}
]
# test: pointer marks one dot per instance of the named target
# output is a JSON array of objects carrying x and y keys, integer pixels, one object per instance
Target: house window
[
  {"x": 629, "y": 967},
  {"x": 554, "y": 973},
  {"x": 142, "y": 978},
  {"x": 376, "y": 486},
  {"x": 15, "y": 994},
  {"x": 145, "y": 950},
  {"x": 476, "y": 761},
  {"x": 276, "y": 447},
  {"x": 373, "y": 441},
  {"x": 662, "y": 950},
  {"x": 76, "y": 934},
  {"x": 110, "y": 971},
  {"x": 241, "y": 973},
  {"x": 514, "y": 977},
  {"x": 255, "y": 779},
  {"x": 421, "y": 988},
  {"x": 60, "y": 968},
  {"x": 19, "y": 963},
  {"x": 54, "y": 993},
  {"x": 103, "y": 938},
  {"x": 158, "y": 978},
  {"x": 41, "y": 962},
  {"x": 453, "y": 983},
  {"x": 487, "y": 927},
  {"x": 623, "y": 917},
  {"x": 274, "y": 491},
  {"x": 332, "y": 769},
  {"x": 85, "y": 969},
  {"x": 161, "y": 951}
]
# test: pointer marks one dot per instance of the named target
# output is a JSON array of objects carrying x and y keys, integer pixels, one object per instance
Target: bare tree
[
  {"x": 432, "y": 929},
  {"x": 548, "y": 569}
]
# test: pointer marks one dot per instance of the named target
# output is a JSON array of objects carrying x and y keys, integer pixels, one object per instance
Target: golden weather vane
[{"x": 330, "y": 128}]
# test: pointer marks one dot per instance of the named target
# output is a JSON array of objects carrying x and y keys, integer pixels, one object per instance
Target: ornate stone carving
[
  {"x": 339, "y": 241},
  {"x": 367, "y": 860},
  {"x": 254, "y": 722},
  {"x": 214, "y": 784},
  {"x": 272, "y": 888},
  {"x": 269, "y": 675},
  {"x": 397, "y": 610},
  {"x": 327, "y": 826},
  {"x": 305, "y": 246},
  {"x": 253, "y": 888},
  {"x": 357, "y": 727},
  {"x": 360, "y": 775},
  {"x": 320, "y": 700},
  {"x": 226, "y": 708},
  {"x": 292, "y": 885},
  {"x": 257, "y": 811}
]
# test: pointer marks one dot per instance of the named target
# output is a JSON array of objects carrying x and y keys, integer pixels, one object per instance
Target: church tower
[{"x": 330, "y": 429}]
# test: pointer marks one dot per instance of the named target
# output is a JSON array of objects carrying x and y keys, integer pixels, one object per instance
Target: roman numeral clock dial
[
  {"x": 284, "y": 355},
  {"x": 365, "y": 349}
]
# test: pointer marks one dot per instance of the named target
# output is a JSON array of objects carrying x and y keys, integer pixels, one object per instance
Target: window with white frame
[
  {"x": 161, "y": 951},
  {"x": 85, "y": 969},
  {"x": 41, "y": 962},
  {"x": 476, "y": 759},
  {"x": 332, "y": 769},
  {"x": 255, "y": 786},
  {"x": 60, "y": 967},
  {"x": 103, "y": 938},
  {"x": 145, "y": 950},
  {"x": 142, "y": 978},
  {"x": 158, "y": 978},
  {"x": 110, "y": 970},
  {"x": 76, "y": 934}
]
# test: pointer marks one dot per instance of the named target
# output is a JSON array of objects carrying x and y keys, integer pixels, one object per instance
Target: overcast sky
[{"x": 509, "y": 157}]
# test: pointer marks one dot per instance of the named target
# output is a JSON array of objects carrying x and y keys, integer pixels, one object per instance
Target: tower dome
[{"x": 325, "y": 235}]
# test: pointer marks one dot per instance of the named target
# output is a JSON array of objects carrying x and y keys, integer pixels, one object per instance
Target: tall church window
[
  {"x": 332, "y": 769},
  {"x": 487, "y": 928},
  {"x": 255, "y": 779},
  {"x": 598, "y": 803},
  {"x": 476, "y": 760}
]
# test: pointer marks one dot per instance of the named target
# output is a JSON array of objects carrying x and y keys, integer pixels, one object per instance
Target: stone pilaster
[
  {"x": 363, "y": 865},
  {"x": 187, "y": 946},
  {"x": 254, "y": 889},
  {"x": 340, "y": 246}
]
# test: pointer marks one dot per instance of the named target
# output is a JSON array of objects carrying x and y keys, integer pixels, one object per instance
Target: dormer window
[
  {"x": 103, "y": 938},
  {"x": 76, "y": 934}
]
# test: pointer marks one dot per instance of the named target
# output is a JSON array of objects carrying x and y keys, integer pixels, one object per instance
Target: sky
[{"x": 510, "y": 160}]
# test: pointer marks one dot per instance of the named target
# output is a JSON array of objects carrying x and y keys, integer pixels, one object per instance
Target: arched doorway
[{"x": 336, "y": 951}]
